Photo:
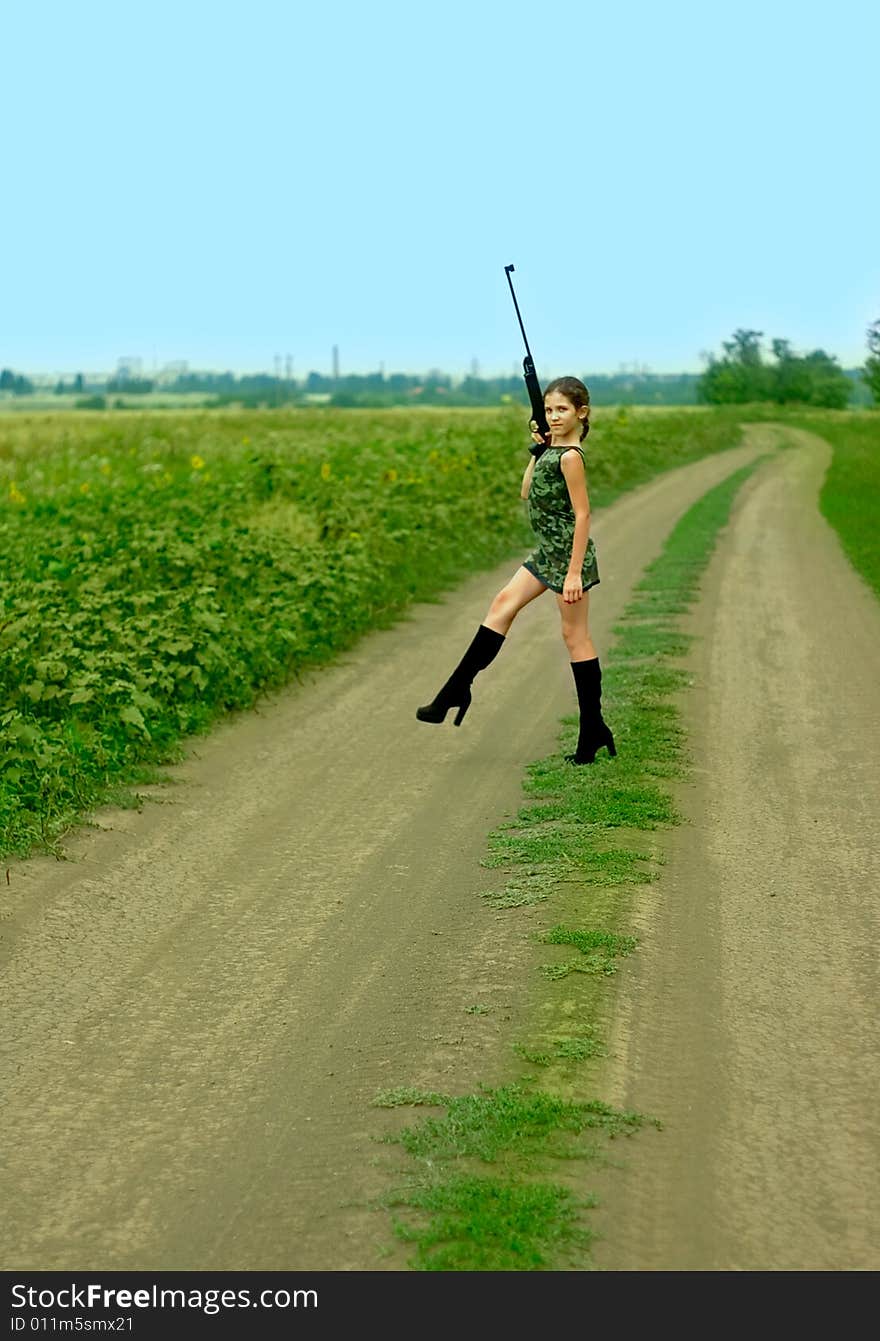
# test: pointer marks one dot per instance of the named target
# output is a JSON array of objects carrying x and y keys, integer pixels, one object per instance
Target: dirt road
[
  {"x": 200, "y": 1005},
  {"x": 748, "y": 1021}
]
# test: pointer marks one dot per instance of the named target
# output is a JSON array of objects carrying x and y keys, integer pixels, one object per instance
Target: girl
[{"x": 564, "y": 561}]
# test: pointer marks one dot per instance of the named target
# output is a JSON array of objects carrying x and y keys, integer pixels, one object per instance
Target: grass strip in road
[
  {"x": 487, "y": 1224},
  {"x": 562, "y": 849},
  {"x": 507, "y": 1221}
]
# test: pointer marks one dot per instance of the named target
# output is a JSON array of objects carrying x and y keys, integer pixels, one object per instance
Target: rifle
[{"x": 533, "y": 386}]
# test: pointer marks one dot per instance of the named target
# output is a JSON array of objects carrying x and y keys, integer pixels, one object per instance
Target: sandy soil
[{"x": 199, "y": 1006}]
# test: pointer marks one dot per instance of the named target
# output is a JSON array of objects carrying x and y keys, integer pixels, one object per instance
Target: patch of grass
[
  {"x": 649, "y": 639},
  {"x": 600, "y": 950},
  {"x": 522, "y": 890},
  {"x": 658, "y": 602},
  {"x": 514, "y": 1221},
  {"x": 510, "y": 1120},
  {"x": 578, "y": 1049},
  {"x": 615, "y": 866},
  {"x": 489, "y": 1224},
  {"x": 620, "y": 867},
  {"x": 404, "y": 1096},
  {"x": 563, "y": 1049}
]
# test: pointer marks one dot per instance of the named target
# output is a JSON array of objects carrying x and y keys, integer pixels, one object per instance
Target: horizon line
[{"x": 174, "y": 370}]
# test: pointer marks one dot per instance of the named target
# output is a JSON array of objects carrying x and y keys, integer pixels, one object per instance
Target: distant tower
[
  {"x": 288, "y": 366},
  {"x": 475, "y": 367},
  {"x": 336, "y": 363}
]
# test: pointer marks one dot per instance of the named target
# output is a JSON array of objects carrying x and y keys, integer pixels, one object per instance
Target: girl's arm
[
  {"x": 527, "y": 477},
  {"x": 575, "y": 477}
]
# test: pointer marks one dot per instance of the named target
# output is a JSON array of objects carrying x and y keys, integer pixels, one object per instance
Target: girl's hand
[
  {"x": 536, "y": 436},
  {"x": 572, "y": 588}
]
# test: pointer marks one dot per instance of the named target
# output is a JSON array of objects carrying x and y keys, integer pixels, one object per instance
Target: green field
[
  {"x": 158, "y": 570},
  {"x": 850, "y": 498}
]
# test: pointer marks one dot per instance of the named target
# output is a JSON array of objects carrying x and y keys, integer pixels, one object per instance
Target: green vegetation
[
  {"x": 559, "y": 848},
  {"x": 159, "y": 570},
  {"x": 631, "y": 386},
  {"x": 15, "y": 384},
  {"x": 850, "y": 497},
  {"x": 742, "y": 376},
  {"x": 508, "y": 1222},
  {"x": 563, "y": 1049},
  {"x": 487, "y": 1224},
  {"x": 600, "y": 951},
  {"x": 871, "y": 371},
  {"x": 506, "y": 1120}
]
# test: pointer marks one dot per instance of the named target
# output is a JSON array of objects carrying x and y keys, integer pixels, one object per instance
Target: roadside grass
[
  {"x": 850, "y": 496},
  {"x": 561, "y": 850},
  {"x": 158, "y": 570}
]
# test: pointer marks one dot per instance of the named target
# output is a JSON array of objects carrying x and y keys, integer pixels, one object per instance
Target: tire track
[{"x": 747, "y": 1022}]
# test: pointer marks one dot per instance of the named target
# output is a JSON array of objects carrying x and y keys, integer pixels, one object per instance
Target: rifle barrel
[{"x": 507, "y": 270}]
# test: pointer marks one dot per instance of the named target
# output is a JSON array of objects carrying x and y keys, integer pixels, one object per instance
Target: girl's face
[{"x": 563, "y": 417}]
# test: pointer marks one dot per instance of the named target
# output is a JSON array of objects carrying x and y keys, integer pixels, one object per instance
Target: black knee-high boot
[
  {"x": 456, "y": 693},
  {"x": 594, "y": 733}
]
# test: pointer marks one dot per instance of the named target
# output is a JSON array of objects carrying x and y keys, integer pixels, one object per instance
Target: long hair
[{"x": 574, "y": 390}]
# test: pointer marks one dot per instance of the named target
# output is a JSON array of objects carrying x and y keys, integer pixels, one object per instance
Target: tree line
[
  {"x": 368, "y": 390},
  {"x": 742, "y": 375}
]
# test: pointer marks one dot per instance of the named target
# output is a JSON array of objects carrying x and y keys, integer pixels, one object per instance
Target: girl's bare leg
[
  {"x": 522, "y": 588},
  {"x": 456, "y": 692},
  {"x": 576, "y": 628}
]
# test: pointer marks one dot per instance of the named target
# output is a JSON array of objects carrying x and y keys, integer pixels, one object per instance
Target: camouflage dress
[{"x": 552, "y": 519}]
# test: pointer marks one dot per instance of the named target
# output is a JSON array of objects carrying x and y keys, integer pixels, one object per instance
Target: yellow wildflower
[
  {"x": 196, "y": 462},
  {"x": 325, "y": 471},
  {"x": 390, "y": 476},
  {"x": 84, "y": 487},
  {"x": 15, "y": 494}
]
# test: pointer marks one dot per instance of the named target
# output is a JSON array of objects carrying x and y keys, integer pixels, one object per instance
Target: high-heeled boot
[
  {"x": 594, "y": 732},
  {"x": 456, "y": 693}
]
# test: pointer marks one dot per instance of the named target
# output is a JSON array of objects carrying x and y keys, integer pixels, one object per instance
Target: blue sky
[{"x": 224, "y": 183}]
